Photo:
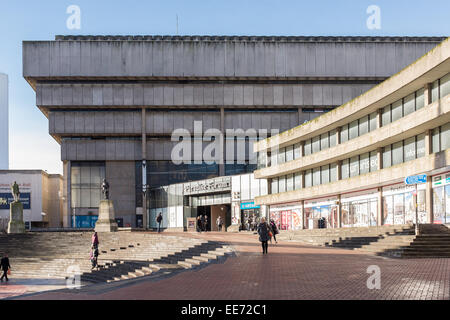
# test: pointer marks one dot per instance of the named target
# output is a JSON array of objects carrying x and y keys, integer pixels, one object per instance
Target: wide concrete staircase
[
  {"x": 123, "y": 255},
  {"x": 390, "y": 241}
]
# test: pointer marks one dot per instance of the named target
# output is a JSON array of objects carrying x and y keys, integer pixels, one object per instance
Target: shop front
[
  {"x": 359, "y": 210},
  {"x": 288, "y": 217},
  {"x": 441, "y": 198},
  {"x": 250, "y": 216},
  {"x": 321, "y": 213},
  {"x": 399, "y": 204}
]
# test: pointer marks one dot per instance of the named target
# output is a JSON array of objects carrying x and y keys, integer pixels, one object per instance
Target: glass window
[
  {"x": 316, "y": 144},
  {"x": 308, "y": 178},
  {"x": 364, "y": 163},
  {"x": 290, "y": 182},
  {"x": 354, "y": 166},
  {"x": 282, "y": 155},
  {"x": 420, "y": 145},
  {"x": 397, "y": 110},
  {"x": 76, "y": 175},
  {"x": 324, "y": 143},
  {"x": 333, "y": 172},
  {"x": 345, "y": 169},
  {"x": 289, "y": 153},
  {"x": 373, "y": 121},
  {"x": 445, "y": 86},
  {"x": 409, "y": 149},
  {"x": 307, "y": 147},
  {"x": 325, "y": 173},
  {"x": 386, "y": 116},
  {"x": 435, "y": 138},
  {"x": 316, "y": 176},
  {"x": 397, "y": 153},
  {"x": 435, "y": 91},
  {"x": 353, "y": 130},
  {"x": 297, "y": 181},
  {"x": 445, "y": 136},
  {"x": 420, "y": 100},
  {"x": 409, "y": 104},
  {"x": 344, "y": 133},
  {"x": 274, "y": 185},
  {"x": 373, "y": 161},
  {"x": 332, "y": 138},
  {"x": 387, "y": 157},
  {"x": 363, "y": 125},
  {"x": 297, "y": 150},
  {"x": 274, "y": 158}
]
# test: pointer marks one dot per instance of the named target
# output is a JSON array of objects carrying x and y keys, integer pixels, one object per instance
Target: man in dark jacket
[
  {"x": 159, "y": 220},
  {"x": 5, "y": 267}
]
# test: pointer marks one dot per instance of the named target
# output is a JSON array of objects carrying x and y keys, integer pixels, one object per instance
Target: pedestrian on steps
[
  {"x": 5, "y": 267},
  {"x": 95, "y": 241},
  {"x": 263, "y": 231},
  {"x": 199, "y": 224}
]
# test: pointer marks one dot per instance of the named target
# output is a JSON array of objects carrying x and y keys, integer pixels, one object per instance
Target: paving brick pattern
[{"x": 289, "y": 271}]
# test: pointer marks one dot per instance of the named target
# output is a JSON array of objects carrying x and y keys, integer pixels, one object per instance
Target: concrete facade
[
  {"x": 410, "y": 136},
  {"x": 117, "y": 99},
  {"x": 4, "y": 123}
]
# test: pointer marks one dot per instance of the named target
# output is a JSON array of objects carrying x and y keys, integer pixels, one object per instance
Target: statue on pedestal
[
  {"x": 105, "y": 189},
  {"x": 15, "y": 191}
]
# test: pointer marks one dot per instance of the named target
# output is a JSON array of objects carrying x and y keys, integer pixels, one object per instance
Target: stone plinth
[
  {"x": 106, "y": 219},
  {"x": 16, "y": 224}
]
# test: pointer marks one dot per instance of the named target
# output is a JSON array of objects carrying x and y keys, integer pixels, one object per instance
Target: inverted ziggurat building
[
  {"x": 113, "y": 102},
  {"x": 349, "y": 165}
]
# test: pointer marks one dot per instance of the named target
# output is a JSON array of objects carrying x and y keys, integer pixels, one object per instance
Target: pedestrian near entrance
[
  {"x": 206, "y": 223},
  {"x": 199, "y": 224},
  {"x": 263, "y": 231},
  {"x": 275, "y": 231},
  {"x": 159, "y": 219},
  {"x": 5, "y": 267},
  {"x": 219, "y": 223}
]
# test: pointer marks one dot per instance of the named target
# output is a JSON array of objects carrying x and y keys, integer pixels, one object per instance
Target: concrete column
[
  {"x": 300, "y": 115},
  {"x": 380, "y": 158},
  {"x": 144, "y": 157},
  {"x": 338, "y": 135},
  {"x": 302, "y": 204},
  {"x": 339, "y": 211},
  {"x": 302, "y": 148},
  {"x": 380, "y": 207},
  {"x": 339, "y": 171},
  {"x": 427, "y": 93},
  {"x": 379, "y": 118},
  {"x": 67, "y": 193},
  {"x": 429, "y": 200},
  {"x": 428, "y": 142},
  {"x": 222, "y": 130}
]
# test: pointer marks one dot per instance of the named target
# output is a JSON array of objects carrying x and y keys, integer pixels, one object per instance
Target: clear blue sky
[{"x": 30, "y": 144}]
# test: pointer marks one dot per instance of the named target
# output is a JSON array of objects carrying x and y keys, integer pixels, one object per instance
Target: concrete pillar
[
  {"x": 300, "y": 115},
  {"x": 427, "y": 93},
  {"x": 380, "y": 207},
  {"x": 222, "y": 130},
  {"x": 67, "y": 213},
  {"x": 429, "y": 200},
  {"x": 338, "y": 135},
  {"x": 379, "y": 118},
  {"x": 380, "y": 158},
  {"x": 144, "y": 157},
  {"x": 302, "y": 204},
  {"x": 339, "y": 211},
  {"x": 302, "y": 148},
  {"x": 428, "y": 142}
]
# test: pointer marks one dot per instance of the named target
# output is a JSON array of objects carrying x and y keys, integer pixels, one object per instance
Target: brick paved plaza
[{"x": 289, "y": 271}]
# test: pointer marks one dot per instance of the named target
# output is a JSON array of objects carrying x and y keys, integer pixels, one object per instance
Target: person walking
[
  {"x": 263, "y": 231},
  {"x": 203, "y": 222},
  {"x": 95, "y": 241},
  {"x": 159, "y": 219},
  {"x": 199, "y": 224},
  {"x": 5, "y": 267},
  {"x": 206, "y": 223},
  {"x": 219, "y": 223},
  {"x": 275, "y": 231}
]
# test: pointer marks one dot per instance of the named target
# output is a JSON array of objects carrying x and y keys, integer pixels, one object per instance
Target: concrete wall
[
  {"x": 231, "y": 57},
  {"x": 121, "y": 178}
]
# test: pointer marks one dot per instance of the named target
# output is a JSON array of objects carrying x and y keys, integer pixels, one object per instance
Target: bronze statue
[
  {"x": 15, "y": 191},
  {"x": 105, "y": 189}
]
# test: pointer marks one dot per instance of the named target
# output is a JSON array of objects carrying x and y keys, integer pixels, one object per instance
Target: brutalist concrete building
[{"x": 113, "y": 102}]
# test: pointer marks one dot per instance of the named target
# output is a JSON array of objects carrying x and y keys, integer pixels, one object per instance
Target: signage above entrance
[
  {"x": 420, "y": 178},
  {"x": 249, "y": 205},
  {"x": 208, "y": 186}
]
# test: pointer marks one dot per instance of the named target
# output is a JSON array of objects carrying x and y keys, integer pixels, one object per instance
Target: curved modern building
[{"x": 347, "y": 168}]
